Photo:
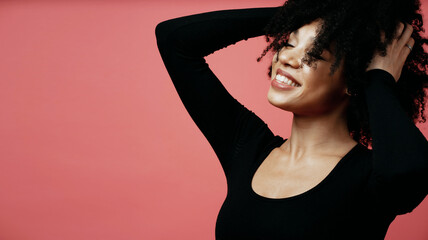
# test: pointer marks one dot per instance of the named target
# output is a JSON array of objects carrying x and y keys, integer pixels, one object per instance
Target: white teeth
[
  {"x": 280, "y": 78},
  {"x": 285, "y": 80}
]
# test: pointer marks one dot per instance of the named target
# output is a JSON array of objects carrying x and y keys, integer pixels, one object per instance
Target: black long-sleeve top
[{"x": 358, "y": 199}]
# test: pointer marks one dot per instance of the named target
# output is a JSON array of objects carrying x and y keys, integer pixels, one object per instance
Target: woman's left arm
[{"x": 400, "y": 151}]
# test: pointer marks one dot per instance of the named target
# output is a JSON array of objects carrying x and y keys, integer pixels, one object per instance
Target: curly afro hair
[{"x": 355, "y": 27}]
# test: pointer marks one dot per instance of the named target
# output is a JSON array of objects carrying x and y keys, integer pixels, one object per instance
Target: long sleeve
[
  {"x": 183, "y": 43},
  {"x": 400, "y": 151}
]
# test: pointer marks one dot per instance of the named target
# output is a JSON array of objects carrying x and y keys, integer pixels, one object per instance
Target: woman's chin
[
  {"x": 279, "y": 102},
  {"x": 277, "y": 99}
]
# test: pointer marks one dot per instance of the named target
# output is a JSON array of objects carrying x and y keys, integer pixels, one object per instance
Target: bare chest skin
[{"x": 276, "y": 178}]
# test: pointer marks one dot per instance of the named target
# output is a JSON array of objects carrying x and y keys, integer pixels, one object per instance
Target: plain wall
[{"x": 94, "y": 140}]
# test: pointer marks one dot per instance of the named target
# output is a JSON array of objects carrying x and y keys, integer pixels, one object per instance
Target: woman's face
[{"x": 317, "y": 92}]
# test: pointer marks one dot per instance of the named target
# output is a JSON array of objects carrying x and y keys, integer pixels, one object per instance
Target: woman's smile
[{"x": 283, "y": 83}]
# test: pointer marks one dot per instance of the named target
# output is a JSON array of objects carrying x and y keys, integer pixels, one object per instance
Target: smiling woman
[
  {"x": 321, "y": 182},
  {"x": 352, "y": 32},
  {"x": 319, "y": 92}
]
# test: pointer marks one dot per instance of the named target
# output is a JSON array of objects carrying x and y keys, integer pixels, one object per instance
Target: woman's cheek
[{"x": 275, "y": 57}]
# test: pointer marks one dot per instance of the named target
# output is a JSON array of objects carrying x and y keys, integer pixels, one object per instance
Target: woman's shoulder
[{"x": 362, "y": 156}]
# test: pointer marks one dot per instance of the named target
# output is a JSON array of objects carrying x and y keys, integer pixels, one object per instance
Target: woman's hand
[{"x": 396, "y": 52}]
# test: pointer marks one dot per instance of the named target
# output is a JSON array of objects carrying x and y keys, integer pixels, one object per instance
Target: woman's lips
[
  {"x": 286, "y": 74},
  {"x": 281, "y": 86}
]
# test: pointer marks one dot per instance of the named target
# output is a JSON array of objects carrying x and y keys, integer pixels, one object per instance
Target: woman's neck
[{"x": 323, "y": 135}]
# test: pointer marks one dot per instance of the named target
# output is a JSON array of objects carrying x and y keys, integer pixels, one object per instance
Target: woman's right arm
[{"x": 183, "y": 43}]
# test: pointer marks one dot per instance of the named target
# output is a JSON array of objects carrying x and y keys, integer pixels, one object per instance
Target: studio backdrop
[{"x": 94, "y": 140}]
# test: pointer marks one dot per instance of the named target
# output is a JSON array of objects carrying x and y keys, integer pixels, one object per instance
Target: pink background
[{"x": 94, "y": 140}]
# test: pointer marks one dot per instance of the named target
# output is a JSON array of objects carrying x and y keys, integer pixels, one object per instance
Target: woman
[{"x": 338, "y": 67}]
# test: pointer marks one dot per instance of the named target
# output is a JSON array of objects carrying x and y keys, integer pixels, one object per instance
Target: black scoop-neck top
[
  {"x": 277, "y": 142},
  {"x": 358, "y": 199}
]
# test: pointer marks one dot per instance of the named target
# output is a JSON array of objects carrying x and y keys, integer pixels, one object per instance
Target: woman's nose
[{"x": 289, "y": 56}]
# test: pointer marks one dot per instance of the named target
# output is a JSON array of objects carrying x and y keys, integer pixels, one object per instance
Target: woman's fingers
[
  {"x": 405, "y": 51},
  {"x": 405, "y": 36},
  {"x": 399, "y": 30},
  {"x": 396, "y": 52},
  {"x": 403, "y": 44}
]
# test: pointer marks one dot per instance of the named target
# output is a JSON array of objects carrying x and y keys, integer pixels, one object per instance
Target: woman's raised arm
[
  {"x": 400, "y": 151},
  {"x": 183, "y": 43}
]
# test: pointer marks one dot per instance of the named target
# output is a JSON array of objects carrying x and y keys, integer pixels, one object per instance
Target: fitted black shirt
[{"x": 358, "y": 199}]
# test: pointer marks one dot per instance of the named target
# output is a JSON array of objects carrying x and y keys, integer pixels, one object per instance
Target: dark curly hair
[{"x": 355, "y": 28}]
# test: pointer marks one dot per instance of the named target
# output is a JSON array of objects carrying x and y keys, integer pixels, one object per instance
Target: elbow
[
  {"x": 162, "y": 33},
  {"x": 160, "y": 30},
  {"x": 165, "y": 35},
  {"x": 168, "y": 37},
  {"x": 164, "y": 29}
]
